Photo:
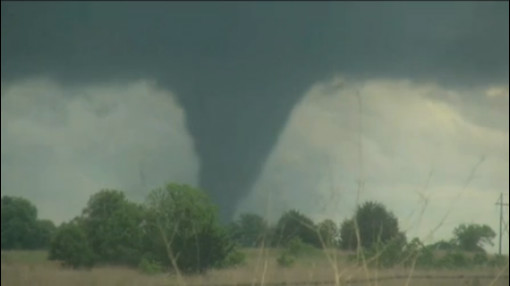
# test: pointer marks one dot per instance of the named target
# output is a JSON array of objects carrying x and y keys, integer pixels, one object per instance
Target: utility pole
[{"x": 501, "y": 205}]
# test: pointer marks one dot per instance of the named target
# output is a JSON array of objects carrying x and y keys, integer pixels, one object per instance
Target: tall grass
[{"x": 306, "y": 271}]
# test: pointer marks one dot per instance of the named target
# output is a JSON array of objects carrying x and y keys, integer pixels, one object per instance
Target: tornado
[{"x": 238, "y": 69}]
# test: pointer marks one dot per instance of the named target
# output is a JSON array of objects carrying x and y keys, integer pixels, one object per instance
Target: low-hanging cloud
[
  {"x": 414, "y": 150},
  {"x": 61, "y": 144}
]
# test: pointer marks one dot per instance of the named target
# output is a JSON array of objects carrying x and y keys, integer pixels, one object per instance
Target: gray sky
[
  {"x": 60, "y": 145},
  {"x": 417, "y": 154},
  {"x": 232, "y": 96}
]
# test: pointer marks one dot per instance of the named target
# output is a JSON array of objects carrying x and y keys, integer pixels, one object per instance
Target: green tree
[
  {"x": 18, "y": 222},
  {"x": 328, "y": 232},
  {"x": 113, "y": 228},
  {"x": 249, "y": 230},
  {"x": 42, "y": 233},
  {"x": 390, "y": 252},
  {"x": 183, "y": 230},
  {"x": 454, "y": 259},
  {"x": 20, "y": 227},
  {"x": 70, "y": 246},
  {"x": 375, "y": 223},
  {"x": 293, "y": 224},
  {"x": 472, "y": 237},
  {"x": 416, "y": 253},
  {"x": 480, "y": 259},
  {"x": 348, "y": 239},
  {"x": 443, "y": 245}
]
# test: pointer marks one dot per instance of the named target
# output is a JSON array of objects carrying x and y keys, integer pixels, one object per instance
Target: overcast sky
[
  {"x": 246, "y": 99},
  {"x": 61, "y": 145},
  {"x": 426, "y": 158}
]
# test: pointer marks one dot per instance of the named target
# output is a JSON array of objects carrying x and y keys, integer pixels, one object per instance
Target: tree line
[{"x": 177, "y": 229}]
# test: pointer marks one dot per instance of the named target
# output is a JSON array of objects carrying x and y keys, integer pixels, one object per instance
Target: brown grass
[{"x": 21, "y": 269}]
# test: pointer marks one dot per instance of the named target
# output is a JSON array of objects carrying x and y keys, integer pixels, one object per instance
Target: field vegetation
[{"x": 175, "y": 238}]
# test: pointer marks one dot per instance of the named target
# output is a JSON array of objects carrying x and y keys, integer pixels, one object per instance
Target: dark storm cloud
[{"x": 239, "y": 68}]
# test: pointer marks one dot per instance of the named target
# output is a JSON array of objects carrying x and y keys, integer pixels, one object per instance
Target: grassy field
[{"x": 33, "y": 268}]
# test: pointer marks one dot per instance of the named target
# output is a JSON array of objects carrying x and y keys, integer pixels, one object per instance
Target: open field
[{"x": 32, "y": 268}]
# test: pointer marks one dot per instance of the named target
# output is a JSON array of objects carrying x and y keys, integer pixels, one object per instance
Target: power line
[{"x": 501, "y": 205}]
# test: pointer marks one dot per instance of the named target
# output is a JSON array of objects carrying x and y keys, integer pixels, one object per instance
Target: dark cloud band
[{"x": 239, "y": 68}]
